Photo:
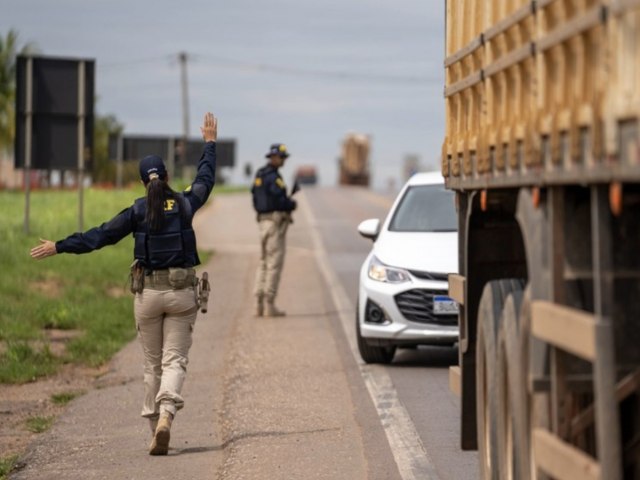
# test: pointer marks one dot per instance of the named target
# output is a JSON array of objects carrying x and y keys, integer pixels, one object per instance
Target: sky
[{"x": 301, "y": 72}]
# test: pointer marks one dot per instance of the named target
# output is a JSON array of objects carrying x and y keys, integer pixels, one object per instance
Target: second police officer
[{"x": 273, "y": 207}]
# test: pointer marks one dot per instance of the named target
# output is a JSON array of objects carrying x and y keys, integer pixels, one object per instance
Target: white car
[{"x": 403, "y": 298}]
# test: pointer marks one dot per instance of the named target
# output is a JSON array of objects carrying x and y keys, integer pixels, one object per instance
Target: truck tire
[
  {"x": 372, "y": 353},
  {"x": 512, "y": 391},
  {"x": 489, "y": 316},
  {"x": 535, "y": 406}
]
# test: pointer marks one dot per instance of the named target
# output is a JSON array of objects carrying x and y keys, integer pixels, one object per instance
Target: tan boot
[
  {"x": 272, "y": 311},
  {"x": 160, "y": 442},
  {"x": 259, "y": 307}
]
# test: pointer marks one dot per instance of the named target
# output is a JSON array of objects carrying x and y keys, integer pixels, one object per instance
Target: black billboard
[
  {"x": 52, "y": 105},
  {"x": 225, "y": 152},
  {"x": 135, "y": 147}
]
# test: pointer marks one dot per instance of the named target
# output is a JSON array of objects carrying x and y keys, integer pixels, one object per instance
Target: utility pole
[
  {"x": 28, "y": 129},
  {"x": 182, "y": 56},
  {"x": 81, "y": 125}
]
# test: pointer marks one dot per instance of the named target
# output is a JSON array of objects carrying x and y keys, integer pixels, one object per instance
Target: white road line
[{"x": 410, "y": 455}]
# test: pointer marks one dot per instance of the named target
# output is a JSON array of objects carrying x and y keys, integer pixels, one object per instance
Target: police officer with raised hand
[
  {"x": 163, "y": 276},
  {"x": 274, "y": 207}
]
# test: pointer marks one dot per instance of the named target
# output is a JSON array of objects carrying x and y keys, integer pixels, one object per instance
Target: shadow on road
[
  {"x": 243, "y": 436},
  {"x": 312, "y": 314},
  {"x": 426, "y": 356},
  {"x": 183, "y": 451}
]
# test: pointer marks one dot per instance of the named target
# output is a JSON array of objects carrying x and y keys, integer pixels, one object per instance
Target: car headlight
[{"x": 383, "y": 273}]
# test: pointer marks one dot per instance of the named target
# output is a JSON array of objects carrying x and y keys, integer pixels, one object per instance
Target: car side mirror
[{"x": 370, "y": 228}]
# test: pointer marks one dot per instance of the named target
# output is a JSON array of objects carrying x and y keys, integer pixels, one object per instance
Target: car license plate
[{"x": 444, "y": 306}]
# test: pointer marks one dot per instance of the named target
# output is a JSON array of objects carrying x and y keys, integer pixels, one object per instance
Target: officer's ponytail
[{"x": 157, "y": 192}]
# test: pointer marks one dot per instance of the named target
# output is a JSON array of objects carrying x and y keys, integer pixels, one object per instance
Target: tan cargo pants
[
  {"x": 164, "y": 320},
  {"x": 273, "y": 228}
]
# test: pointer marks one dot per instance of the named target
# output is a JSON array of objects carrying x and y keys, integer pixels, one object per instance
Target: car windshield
[{"x": 425, "y": 208}]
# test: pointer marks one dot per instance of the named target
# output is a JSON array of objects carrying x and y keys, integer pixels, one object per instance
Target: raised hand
[{"x": 209, "y": 128}]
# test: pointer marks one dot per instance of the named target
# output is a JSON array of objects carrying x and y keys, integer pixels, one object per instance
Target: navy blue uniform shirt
[
  {"x": 125, "y": 222},
  {"x": 270, "y": 192}
]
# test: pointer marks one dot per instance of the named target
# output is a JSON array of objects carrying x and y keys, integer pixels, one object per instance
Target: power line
[
  {"x": 307, "y": 72},
  {"x": 138, "y": 62},
  {"x": 267, "y": 68}
]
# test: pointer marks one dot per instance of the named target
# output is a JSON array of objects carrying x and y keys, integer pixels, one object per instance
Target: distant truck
[
  {"x": 542, "y": 148},
  {"x": 354, "y": 162}
]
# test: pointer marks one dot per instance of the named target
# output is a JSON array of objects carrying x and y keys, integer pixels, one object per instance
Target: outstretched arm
[
  {"x": 47, "y": 248},
  {"x": 93, "y": 239}
]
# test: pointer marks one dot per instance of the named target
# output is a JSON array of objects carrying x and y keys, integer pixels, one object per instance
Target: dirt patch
[
  {"x": 19, "y": 402},
  {"x": 34, "y": 399},
  {"x": 54, "y": 339},
  {"x": 50, "y": 287},
  {"x": 57, "y": 340},
  {"x": 118, "y": 292}
]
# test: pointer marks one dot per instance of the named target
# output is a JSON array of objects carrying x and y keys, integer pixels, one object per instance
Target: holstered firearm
[
  {"x": 204, "y": 287},
  {"x": 136, "y": 277}
]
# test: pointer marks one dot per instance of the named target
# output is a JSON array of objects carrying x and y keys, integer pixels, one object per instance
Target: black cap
[
  {"x": 150, "y": 165},
  {"x": 279, "y": 149}
]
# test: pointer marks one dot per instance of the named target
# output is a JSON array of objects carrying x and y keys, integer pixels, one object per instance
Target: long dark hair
[{"x": 158, "y": 190}]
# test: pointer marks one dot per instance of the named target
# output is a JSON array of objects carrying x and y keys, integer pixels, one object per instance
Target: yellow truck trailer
[
  {"x": 542, "y": 148},
  {"x": 354, "y": 161}
]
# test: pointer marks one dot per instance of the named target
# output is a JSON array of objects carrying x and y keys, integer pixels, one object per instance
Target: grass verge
[{"x": 83, "y": 294}]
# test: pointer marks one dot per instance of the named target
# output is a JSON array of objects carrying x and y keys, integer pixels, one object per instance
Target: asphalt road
[
  {"x": 419, "y": 376},
  {"x": 282, "y": 398}
]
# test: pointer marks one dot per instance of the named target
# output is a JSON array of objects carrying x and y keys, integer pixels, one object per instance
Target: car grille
[
  {"x": 417, "y": 306},
  {"x": 443, "y": 277}
]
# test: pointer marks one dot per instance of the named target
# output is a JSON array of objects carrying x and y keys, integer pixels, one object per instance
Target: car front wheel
[{"x": 372, "y": 353}]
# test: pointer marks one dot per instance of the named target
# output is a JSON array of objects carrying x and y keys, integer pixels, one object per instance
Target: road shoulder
[{"x": 265, "y": 397}]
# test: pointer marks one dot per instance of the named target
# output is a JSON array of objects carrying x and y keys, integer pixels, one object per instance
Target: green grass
[
  {"x": 21, "y": 362},
  {"x": 222, "y": 189},
  {"x": 64, "y": 397},
  {"x": 6, "y": 464},
  {"x": 70, "y": 292},
  {"x": 39, "y": 424}
]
